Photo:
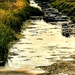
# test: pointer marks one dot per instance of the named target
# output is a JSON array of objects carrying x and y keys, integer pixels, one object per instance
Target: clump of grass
[{"x": 65, "y": 7}]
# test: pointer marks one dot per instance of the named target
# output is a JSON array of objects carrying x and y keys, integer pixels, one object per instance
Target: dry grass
[
  {"x": 19, "y": 4},
  {"x": 12, "y": 6}
]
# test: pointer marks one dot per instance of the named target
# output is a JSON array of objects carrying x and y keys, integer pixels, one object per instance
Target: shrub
[
  {"x": 3, "y": 6},
  {"x": 6, "y": 35},
  {"x": 23, "y": 13},
  {"x": 12, "y": 21},
  {"x": 35, "y": 12},
  {"x": 26, "y": 12}
]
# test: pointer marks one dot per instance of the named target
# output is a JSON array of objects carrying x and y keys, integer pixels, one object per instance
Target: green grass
[
  {"x": 6, "y": 35},
  {"x": 65, "y": 7}
]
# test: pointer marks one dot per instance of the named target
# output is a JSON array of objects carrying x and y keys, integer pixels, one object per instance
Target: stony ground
[{"x": 60, "y": 68}]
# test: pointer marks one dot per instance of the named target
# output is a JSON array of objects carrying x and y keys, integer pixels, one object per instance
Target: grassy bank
[
  {"x": 13, "y": 13},
  {"x": 65, "y": 6}
]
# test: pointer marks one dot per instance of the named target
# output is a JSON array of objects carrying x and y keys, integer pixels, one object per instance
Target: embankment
[{"x": 13, "y": 13}]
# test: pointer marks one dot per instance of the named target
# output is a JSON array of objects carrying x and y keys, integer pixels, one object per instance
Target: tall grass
[{"x": 65, "y": 7}]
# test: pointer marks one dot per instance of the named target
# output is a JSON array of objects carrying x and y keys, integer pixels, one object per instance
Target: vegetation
[
  {"x": 6, "y": 35},
  {"x": 65, "y": 6},
  {"x": 60, "y": 67},
  {"x": 13, "y": 13},
  {"x": 47, "y": 0}
]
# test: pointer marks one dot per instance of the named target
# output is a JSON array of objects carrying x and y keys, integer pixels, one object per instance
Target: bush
[
  {"x": 23, "y": 13},
  {"x": 26, "y": 12},
  {"x": 12, "y": 21},
  {"x": 34, "y": 11},
  {"x": 3, "y": 6},
  {"x": 6, "y": 35}
]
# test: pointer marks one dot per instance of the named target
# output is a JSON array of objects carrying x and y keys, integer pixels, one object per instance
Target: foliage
[
  {"x": 12, "y": 16},
  {"x": 34, "y": 11},
  {"x": 6, "y": 35},
  {"x": 3, "y": 6},
  {"x": 26, "y": 12},
  {"x": 65, "y": 7},
  {"x": 23, "y": 14},
  {"x": 27, "y": 1},
  {"x": 13, "y": 22}
]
